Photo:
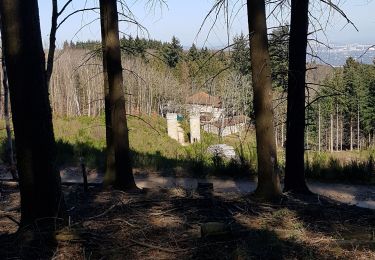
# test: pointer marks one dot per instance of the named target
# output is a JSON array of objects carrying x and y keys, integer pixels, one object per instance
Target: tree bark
[
  {"x": 341, "y": 132},
  {"x": 268, "y": 177},
  {"x": 337, "y": 127},
  {"x": 9, "y": 143},
  {"x": 331, "y": 135},
  {"x": 39, "y": 181},
  {"x": 282, "y": 134},
  {"x": 52, "y": 42},
  {"x": 319, "y": 134},
  {"x": 119, "y": 165},
  {"x": 294, "y": 167},
  {"x": 358, "y": 132},
  {"x": 351, "y": 134}
]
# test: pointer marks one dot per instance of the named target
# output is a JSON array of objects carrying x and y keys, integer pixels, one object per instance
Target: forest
[{"x": 131, "y": 147}]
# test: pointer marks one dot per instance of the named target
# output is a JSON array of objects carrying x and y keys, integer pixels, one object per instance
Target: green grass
[
  {"x": 152, "y": 149},
  {"x": 355, "y": 167}
]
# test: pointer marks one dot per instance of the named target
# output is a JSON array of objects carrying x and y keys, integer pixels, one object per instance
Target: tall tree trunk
[
  {"x": 307, "y": 138},
  {"x": 351, "y": 133},
  {"x": 9, "y": 143},
  {"x": 52, "y": 42},
  {"x": 358, "y": 132},
  {"x": 276, "y": 132},
  {"x": 331, "y": 135},
  {"x": 282, "y": 134},
  {"x": 341, "y": 132},
  {"x": 268, "y": 177},
  {"x": 319, "y": 126},
  {"x": 39, "y": 180},
  {"x": 294, "y": 167},
  {"x": 337, "y": 127},
  {"x": 119, "y": 164}
]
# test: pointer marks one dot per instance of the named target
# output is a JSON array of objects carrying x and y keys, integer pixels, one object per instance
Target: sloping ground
[{"x": 166, "y": 224}]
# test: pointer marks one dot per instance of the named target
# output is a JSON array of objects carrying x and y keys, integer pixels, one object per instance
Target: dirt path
[{"x": 360, "y": 195}]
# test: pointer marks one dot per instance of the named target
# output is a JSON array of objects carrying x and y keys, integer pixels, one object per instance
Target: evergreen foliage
[
  {"x": 278, "y": 47},
  {"x": 241, "y": 55},
  {"x": 172, "y": 52}
]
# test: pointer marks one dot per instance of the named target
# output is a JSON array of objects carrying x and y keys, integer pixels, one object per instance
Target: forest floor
[
  {"x": 168, "y": 224},
  {"x": 359, "y": 195}
]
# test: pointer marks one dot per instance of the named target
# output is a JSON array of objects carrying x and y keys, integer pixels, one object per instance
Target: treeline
[
  {"x": 157, "y": 78},
  {"x": 343, "y": 114}
]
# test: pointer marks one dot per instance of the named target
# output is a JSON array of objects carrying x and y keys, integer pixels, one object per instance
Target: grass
[
  {"x": 357, "y": 167},
  {"x": 153, "y": 150},
  {"x": 151, "y": 147}
]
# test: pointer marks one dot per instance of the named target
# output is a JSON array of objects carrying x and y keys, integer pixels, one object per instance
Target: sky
[{"x": 183, "y": 18}]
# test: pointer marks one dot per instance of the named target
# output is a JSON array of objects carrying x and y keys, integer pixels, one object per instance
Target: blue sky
[{"x": 183, "y": 18}]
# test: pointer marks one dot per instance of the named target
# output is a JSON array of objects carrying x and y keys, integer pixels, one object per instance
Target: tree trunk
[
  {"x": 319, "y": 126},
  {"x": 9, "y": 143},
  {"x": 276, "y": 133},
  {"x": 294, "y": 167},
  {"x": 282, "y": 134},
  {"x": 337, "y": 128},
  {"x": 268, "y": 177},
  {"x": 358, "y": 132},
  {"x": 341, "y": 132},
  {"x": 39, "y": 181},
  {"x": 331, "y": 135},
  {"x": 52, "y": 42},
  {"x": 307, "y": 138},
  {"x": 119, "y": 165},
  {"x": 351, "y": 134}
]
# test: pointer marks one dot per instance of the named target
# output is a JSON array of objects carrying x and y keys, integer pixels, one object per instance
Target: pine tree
[
  {"x": 173, "y": 52},
  {"x": 240, "y": 58},
  {"x": 193, "y": 54},
  {"x": 279, "y": 53}
]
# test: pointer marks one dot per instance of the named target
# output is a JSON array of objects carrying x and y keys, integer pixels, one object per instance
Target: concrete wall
[
  {"x": 195, "y": 128},
  {"x": 172, "y": 125}
]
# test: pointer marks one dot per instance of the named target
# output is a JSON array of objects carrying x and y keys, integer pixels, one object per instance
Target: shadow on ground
[{"x": 166, "y": 224}]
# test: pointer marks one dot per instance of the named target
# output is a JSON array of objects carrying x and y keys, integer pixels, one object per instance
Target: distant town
[{"x": 337, "y": 54}]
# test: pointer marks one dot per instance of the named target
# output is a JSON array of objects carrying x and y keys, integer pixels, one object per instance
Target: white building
[
  {"x": 227, "y": 126},
  {"x": 205, "y": 104},
  {"x": 212, "y": 115}
]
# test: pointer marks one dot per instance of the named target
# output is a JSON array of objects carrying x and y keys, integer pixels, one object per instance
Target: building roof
[{"x": 205, "y": 99}]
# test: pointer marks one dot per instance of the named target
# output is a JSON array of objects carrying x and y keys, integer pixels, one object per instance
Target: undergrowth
[{"x": 84, "y": 138}]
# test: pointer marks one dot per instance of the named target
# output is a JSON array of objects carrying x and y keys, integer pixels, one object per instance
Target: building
[
  {"x": 226, "y": 126},
  {"x": 212, "y": 115},
  {"x": 205, "y": 104}
]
